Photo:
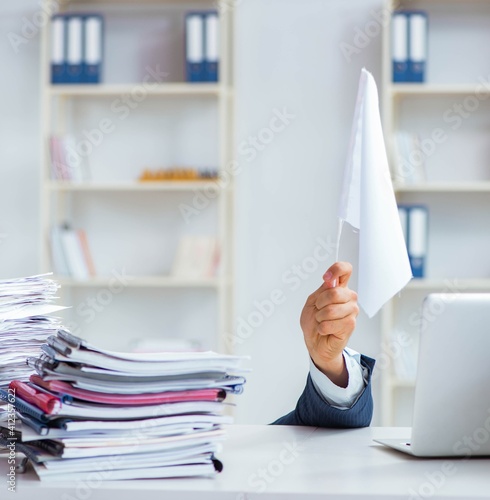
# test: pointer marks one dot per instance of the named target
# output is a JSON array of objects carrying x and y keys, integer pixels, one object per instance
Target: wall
[
  {"x": 19, "y": 145},
  {"x": 290, "y": 64},
  {"x": 291, "y": 59}
]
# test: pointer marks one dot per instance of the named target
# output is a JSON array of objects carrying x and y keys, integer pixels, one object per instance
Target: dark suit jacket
[{"x": 312, "y": 410}]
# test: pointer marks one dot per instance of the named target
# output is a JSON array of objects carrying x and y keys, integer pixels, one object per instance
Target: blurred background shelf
[
  {"x": 436, "y": 133},
  {"x": 143, "y": 120}
]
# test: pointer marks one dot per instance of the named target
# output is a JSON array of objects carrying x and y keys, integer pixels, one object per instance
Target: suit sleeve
[{"x": 312, "y": 410}]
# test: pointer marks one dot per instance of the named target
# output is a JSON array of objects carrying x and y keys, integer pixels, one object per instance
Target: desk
[{"x": 281, "y": 462}]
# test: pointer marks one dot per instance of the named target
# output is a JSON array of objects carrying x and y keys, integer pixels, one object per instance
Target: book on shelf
[
  {"x": 67, "y": 164},
  {"x": 202, "y": 46},
  {"x": 410, "y": 158},
  {"x": 196, "y": 257},
  {"x": 76, "y": 48},
  {"x": 87, "y": 255},
  {"x": 70, "y": 252},
  {"x": 409, "y": 46},
  {"x": 414, "y": 222}
]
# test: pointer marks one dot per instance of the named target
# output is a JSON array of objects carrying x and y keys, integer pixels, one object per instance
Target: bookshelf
[
  {"x": 457, "y": 177},
  {"x": 135, "y": 227}
]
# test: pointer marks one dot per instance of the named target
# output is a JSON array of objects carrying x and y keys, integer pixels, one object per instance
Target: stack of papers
[
  {"x": 123, "y": 415},
  {"x": 24, "y": 326}
]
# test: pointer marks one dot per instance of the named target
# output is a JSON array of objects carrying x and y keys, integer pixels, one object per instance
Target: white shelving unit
[
  {"x": 121, "y": 199},
  {"x": 458, "y": 172}
]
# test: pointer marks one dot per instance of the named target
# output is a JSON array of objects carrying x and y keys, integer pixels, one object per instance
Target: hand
[{"x": 328, "y": 320}]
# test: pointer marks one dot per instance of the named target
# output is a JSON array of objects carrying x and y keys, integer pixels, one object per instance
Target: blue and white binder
[
  {"x": 92, "y": 48},
  {"x": 74, "y": 52},
  {"x": 194, "y": 47},
  {"x": 58, "y": 50},
  {"x": 211, "y": 46},
  {"x": 399, "y": 46},
  {"x": 417, "y": 46},
  {"x": 417, "y": 239}
]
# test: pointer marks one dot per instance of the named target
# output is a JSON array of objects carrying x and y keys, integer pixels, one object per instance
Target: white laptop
[{"x": 451, "y": 415}]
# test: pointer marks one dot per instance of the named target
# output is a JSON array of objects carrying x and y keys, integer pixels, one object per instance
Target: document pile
[
  {"x": 118, "y": 415},
  {"x": 24, "y": 326}
]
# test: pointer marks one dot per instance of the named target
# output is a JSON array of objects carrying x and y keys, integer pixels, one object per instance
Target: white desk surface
[{"x": 324, "y": 464}]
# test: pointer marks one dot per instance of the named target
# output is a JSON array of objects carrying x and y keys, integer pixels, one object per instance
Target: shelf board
[
  {"x": 450, "y": 285},
  {"x": 444, "y": 187},
  {"x": 131, "y": 186},
  {"x": 161, "y": 89},
  {"x": 428, "y": 89},
  {"x": 142, "y": 282}
]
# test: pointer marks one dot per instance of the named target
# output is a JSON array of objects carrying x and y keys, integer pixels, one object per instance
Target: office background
[{"x": 290, "y": 59}]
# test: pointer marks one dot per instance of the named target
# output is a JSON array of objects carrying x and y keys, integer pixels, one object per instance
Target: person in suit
[{"x": 338, "y": 387}]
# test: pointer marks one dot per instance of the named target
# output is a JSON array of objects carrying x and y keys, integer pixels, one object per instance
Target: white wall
[
  {"x": 19, "y": 145},
  {"x": 288, "y": 57}
]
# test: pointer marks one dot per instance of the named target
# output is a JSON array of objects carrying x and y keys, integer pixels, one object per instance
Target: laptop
[{"x": 451, "y": 414}]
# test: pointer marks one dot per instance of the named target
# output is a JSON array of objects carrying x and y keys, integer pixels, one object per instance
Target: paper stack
[
  {"x": 24, "y": 326},
  {"x": 124, "y": 415}
]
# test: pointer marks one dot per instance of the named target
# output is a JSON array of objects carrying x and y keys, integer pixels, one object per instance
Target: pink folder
[{"x": 60, "y": 387}]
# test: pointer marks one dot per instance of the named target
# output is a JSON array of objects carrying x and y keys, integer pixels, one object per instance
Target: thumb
[
  {"x": 338, "y": 274},
  {"x": 329, "y": 280}
]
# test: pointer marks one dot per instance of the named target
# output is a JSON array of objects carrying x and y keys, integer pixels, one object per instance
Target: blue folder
[
  {"x": 194, "y": 47},
  {"x": 211, "y": 46},
  {"x": 93, "y": 27},
  {"x": 58, "y": 49},
  {"x": 74, "y": 49}
]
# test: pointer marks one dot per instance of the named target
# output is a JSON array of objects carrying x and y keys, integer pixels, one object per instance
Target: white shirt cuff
[{"x": 341, "y": 397}]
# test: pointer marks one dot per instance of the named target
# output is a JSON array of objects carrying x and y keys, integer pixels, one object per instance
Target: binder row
[
  {"x": 409, "y": 46},
  {"x": 76, "y": 48},
  {"x": 414, "y": 222},
  {"x": 202, "y": 46}
]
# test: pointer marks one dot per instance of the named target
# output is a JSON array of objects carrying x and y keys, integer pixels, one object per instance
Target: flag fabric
[{"x": 368, "y": 203}]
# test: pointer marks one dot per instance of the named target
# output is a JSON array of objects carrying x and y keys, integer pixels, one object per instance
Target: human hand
[{"x": 328, "y": 320}]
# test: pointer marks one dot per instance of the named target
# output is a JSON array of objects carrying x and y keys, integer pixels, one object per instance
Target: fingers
[
  {"x": 336, "y": 278},
  {"x": 338, "y": 274},
  {"x": 334, "y": 312},
  {"x": 334, "y": 296},
  {"x": 340, "y": 328}
]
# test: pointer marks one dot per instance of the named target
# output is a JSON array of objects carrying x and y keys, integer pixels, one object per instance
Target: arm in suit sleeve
[{"x": 313, "y": 410}]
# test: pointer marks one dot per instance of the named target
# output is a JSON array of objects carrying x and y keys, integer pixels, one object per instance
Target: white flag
[{"x": 368, "y": 204}]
